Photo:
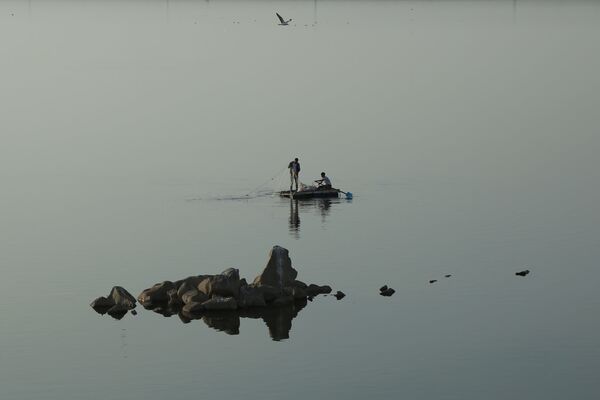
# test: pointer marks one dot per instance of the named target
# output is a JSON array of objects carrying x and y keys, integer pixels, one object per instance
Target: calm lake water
[{"x": 467, "y": 131}]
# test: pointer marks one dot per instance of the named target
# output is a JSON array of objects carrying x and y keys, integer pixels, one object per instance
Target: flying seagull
[{"x": 283, "y": 21}]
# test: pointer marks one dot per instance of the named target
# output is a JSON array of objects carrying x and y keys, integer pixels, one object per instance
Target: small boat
[{"x": 310, "y": 193}]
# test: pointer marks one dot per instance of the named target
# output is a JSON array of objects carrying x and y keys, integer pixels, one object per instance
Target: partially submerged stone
[
  {"x": 116, "y": 304},
  {"x": 339, "y": 295},
  {"x": 122, "y": 297},
  {"x": 387, "y": 292},
  {"x": 313, "y": 290},
  {"x": 102, "y": 304}
]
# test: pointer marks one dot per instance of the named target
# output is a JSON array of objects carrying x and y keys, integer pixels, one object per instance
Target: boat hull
[{"x": 310, "y": 194}]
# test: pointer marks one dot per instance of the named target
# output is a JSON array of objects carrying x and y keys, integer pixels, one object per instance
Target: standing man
[{"x": 294, "y": 167}]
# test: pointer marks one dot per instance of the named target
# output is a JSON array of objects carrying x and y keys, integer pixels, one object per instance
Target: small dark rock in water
[
  {"x": 383, "y": 288},
  {"x": 118, "y": 302},
  {"x": 133, "y": 312},
  {"x": 523, "y": 273},
  {"x": 339, "y": 295},
  {"x": 310, "y": 298},
  {"x": 387, "y": 292},
  {"x": 447, "y": 276},
  {"x": 433, "y": 281}
]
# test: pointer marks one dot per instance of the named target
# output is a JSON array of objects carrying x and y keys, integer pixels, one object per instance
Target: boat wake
[{"x": 234, "y": 197}]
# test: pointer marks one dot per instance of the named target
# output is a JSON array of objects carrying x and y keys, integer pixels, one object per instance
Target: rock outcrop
[{"x": 221, "y": 299}]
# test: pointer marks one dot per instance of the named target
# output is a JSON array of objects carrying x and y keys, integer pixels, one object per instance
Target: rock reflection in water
[
  {"x": 278, "y": 319},
  {"x": 322, "y": 206}
]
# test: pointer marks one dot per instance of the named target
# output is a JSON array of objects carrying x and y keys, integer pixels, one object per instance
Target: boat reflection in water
[
  {"x": 322, "y": 206},
  {"x": 277, "y": 318}
]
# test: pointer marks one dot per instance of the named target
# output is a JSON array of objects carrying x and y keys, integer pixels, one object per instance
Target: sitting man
[{"x": 324, "y": 183}]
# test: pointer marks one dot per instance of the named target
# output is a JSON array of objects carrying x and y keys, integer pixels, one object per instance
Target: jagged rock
[
  {"x": 194, "y": 296},
  {"x": 157, "y": 294},
  {"x": 523, "y": 273},
  {"x": 189, "y": 283},
  {"x": 102, "y": 304},
  {"x": 122, "y": 297},
  {"x": 251, "y": 297},
  {"x": 383, "y": 288},
  {"x": 119, "y": 301},
  {"x": 220, "y": 303},
  {"x": 278, "y": 272},
  {"x": 339, "y": 295},
  {"x": 226, "y": 284},
  {"x": 174, "y": 300},
  {"x": 314, "y": 290},
  {"x": 387, "y": 292}
]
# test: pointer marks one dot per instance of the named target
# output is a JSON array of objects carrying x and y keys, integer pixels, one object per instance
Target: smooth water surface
[{"x": 467, "y": 131}]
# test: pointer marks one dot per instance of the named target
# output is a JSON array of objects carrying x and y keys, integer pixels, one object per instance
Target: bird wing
[{"x": 280, "y": 18}]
